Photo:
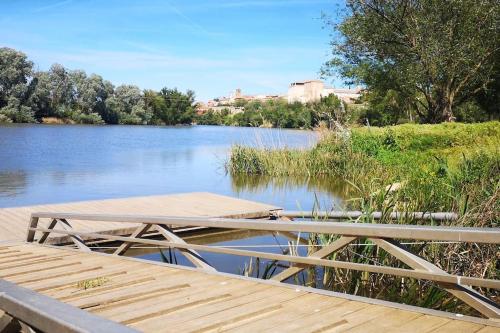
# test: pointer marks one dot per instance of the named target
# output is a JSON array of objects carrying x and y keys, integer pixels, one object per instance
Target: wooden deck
[
  {"x": 14, "y": 221},
  {"x": 156, "y": 297}
]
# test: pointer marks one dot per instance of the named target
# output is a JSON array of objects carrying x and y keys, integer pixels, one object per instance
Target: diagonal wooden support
[
  {"x": 464, "y": 293},
  {"x": 75, "y": 238},
  {"x": 191, "y": 255},
  {"x": 33, "y": 224},
  {"x": 138, "y": 233},
  {"x": 322, "y": 253},
  {"x": 46, "y": 234}
]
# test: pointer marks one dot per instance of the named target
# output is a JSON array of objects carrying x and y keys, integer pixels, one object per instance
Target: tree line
[
  {"x": 278, "y": 113},
  {"x": 28, "y": 95}
]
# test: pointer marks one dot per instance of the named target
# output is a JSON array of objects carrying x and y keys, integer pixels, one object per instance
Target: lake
[{"x": 61, "y": 163}]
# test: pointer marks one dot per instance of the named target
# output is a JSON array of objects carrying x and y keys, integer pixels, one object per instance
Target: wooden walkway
[
  {"x": 156, "y": 297},
  {"x": 14, "y": 221}
]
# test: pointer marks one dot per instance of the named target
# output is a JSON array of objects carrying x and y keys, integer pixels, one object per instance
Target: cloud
[{"x": 52, "y": 6}]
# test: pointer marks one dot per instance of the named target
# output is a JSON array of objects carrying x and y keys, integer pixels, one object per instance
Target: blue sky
[{"x": 211, "y": 47}]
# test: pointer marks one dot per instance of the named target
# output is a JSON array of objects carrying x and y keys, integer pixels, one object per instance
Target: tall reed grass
[{"x": 446, "y": 167}]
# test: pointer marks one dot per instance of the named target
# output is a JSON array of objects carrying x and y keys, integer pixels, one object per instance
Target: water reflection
[
  {"x": 333, "y": 186},
  {"x": 12, "y": 184},
  {"x": 52, "y": 164}
]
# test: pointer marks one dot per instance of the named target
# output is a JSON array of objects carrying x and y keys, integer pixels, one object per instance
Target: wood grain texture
[
  {"x": 153, "y": 297},
  {"x": 14, "y": 221}
]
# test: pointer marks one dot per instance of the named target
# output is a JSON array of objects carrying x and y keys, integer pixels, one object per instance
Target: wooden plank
[
  {"x": 464, "y": 293},
  {"x": 416, "y": 232},
  {"x": 239, "y": 297},
  {"x": 294, "y": 309},
  {"x": 422, "y": 324},
  {"x": 14, "y": 220},
  {"x": 335, "y": 215},
  {"x": 456, "y": 326},
  {"x": 49, "y": 315},
  {"x": 318, "y": 320},
  {"x": 418, "y": 274},
  {"x": 168, "y": 299},
  {"x": 322, "y": 253}
]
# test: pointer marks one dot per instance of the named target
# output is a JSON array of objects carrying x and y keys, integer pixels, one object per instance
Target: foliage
[
  {"x": 431, "y": 160},
  {"x": 276, "y": 113},
  {"x": 446, "y": 167},
  {"x": 425, "y": 56},
  {"x": 75, "y": 97}
]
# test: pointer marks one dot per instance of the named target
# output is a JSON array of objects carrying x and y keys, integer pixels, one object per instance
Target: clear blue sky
[{"x": 211, "y": 47}]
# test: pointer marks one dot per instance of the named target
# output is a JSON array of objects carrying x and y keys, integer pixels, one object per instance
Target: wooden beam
[
  {"x": 464, "y": 293},
  {"x": 417, "y": 274},
  {"x": 33, "y": 224},
  {"x": 191, "y": 255},
  {"x": 75, "y": 238},
  {"x": 432, "y": 233},
  {"x": 441, "y": 216},
  {"x": 49, "y": 315},
  {"x": 322, "y": 253},
  {"x": 45, "y": 235},
  {"x": 138, "y": 233}
]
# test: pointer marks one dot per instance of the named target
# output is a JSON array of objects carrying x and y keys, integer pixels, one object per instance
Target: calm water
[{"x": 57, "y": 163}]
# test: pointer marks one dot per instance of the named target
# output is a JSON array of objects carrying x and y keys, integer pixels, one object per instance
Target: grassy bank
[{"x": 446, "y": 167}]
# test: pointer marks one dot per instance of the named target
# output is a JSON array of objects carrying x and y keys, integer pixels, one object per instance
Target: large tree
[
  {"x": 16, "y": 86},
  {"x": 436, "y": 54}
]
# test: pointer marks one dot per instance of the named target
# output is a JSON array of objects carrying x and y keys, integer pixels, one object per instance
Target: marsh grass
[{"x": 446, "y": 167}]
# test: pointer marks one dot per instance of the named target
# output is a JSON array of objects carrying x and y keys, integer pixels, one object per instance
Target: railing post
[{"x": 33, "y": 224}]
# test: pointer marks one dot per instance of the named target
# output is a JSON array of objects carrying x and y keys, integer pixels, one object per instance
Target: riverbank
[{"x": 446, "y": 167}]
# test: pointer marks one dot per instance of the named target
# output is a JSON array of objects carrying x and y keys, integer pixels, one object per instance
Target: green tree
[
  {"x": 436, "y": 54},
  {"x": 172, "y": 107},
  {"x": 331, "y": 110},
  {"x": 128, "y": 104},
  {"x": 16, "y": 86},
  {"x": 61, "y": 90}
]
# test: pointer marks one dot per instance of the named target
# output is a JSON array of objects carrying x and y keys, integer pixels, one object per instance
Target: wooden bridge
[{"x": 75, "y": 289}]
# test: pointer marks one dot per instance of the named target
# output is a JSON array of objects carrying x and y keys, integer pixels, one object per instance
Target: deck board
[
  {"x": 14, "y": 220},
  {"x": 155, "y": 297}
]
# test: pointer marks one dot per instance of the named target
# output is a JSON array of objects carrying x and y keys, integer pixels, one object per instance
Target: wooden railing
[
  {"x": 27, "y": 311},
  {"x": 385, "y": 236}
]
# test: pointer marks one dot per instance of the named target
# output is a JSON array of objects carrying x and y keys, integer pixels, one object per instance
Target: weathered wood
[
  {"x": 138, "y": 233},
  {"x": 191, "y": 255},
  {"x": 464, "y": 293},
  {"x": 13, "y": 220},
  {"x": 322, "y": 253},
  {"x": 33, "y": 224},
  {"x": 335, "y": 215},
  {"x": 459, "y": 234},
  {"x": 48, "y": 315},
  {"x": 454, "y": 279},
  {"x": 75, "y": 238},
  {"x": 45, "y": 235},
  {"x": 182, "y": 299}
]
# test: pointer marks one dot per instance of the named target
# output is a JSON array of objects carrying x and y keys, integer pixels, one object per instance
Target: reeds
[{"x": 446, "y": 167}]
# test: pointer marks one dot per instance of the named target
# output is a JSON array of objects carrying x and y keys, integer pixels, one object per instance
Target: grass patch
[{"x": 91, "y": 283}]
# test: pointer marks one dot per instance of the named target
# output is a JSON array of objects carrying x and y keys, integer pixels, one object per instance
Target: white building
[{"x": 313, "y": 90}]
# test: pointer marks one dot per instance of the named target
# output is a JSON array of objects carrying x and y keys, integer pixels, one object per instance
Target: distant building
[
  {"x": 238, "y": 96},
  {"x": 305, "y": 91},
  {"x": 313, "y": 90}
]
